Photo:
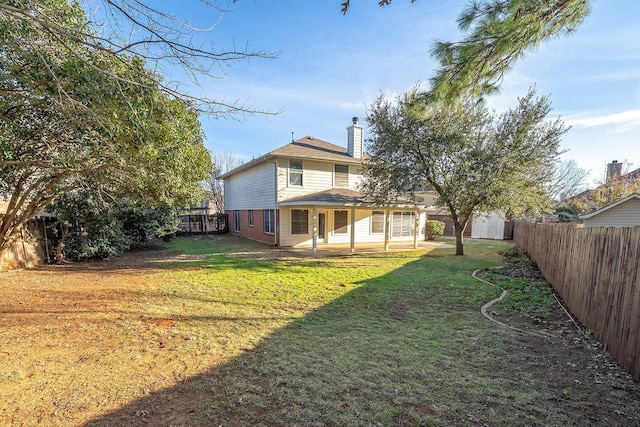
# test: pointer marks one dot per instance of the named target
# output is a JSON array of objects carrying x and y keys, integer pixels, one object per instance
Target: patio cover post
[
  {"x": 314, "y": 230},
  {"x": 416, "y": 227},
  {"x": 387, "y": 226},
  {"x": 352, "y": 245}
]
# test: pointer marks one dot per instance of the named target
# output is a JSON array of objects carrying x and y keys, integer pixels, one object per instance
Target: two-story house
[{"x": 305, "y": 194}]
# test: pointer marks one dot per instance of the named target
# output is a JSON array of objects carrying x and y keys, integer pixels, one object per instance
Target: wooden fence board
[{"x": 595, "y": 271}]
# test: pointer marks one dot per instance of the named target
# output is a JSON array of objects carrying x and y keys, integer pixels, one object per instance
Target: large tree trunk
[{"x": 459, "y": 233}]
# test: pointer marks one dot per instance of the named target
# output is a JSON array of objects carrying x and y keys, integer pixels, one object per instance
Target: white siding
[
  {"x": 251, "y": 189},
  {"x": 288, "y": 239},
  {"x": 316, "y": 176},
  {"x": 355, "y": 177},
  {"x": 363, "y": 228},
  {"x": 626, "y": 214}
]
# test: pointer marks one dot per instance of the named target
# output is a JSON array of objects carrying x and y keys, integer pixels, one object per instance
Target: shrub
[{"x": 433, "y": 229}]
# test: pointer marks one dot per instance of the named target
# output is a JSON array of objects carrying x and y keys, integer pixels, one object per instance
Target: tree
[
  {"x": 567, "y": 180},
  {"x": 473, "y": 159},
  {"x": 76, "y": 117},
  {"x": 96, "y": 226},
  {"x": 121, "y": 29},
  {"x": 214, "y": 187},
  {"x": 615, "y": 186},
  {"x": 500, "y": 32}
]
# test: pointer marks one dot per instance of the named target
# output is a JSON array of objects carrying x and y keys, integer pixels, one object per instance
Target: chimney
[
  {"x": 614, "y": 170},
  {"x": 355, "y": 139}
]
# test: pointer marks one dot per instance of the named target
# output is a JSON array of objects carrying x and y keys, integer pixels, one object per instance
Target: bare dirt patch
[{"x": 77, "y": 340}]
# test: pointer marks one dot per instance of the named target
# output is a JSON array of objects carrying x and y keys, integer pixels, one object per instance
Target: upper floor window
[
  {"x": 341, "y": 176},
  {"x": 295, "y": 172}
]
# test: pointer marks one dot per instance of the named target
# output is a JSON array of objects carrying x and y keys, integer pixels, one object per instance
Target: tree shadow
[
  {"x": 406, "y": 348},
  {"x": 354, "y": 361}
]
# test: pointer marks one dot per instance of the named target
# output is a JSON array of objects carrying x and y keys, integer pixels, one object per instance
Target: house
[
  {"x": 623, "y": 213},
  {"x": 305, "y": 194}
]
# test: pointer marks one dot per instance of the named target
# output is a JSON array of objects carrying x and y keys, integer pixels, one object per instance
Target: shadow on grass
[
  {"x": 371, "y": 356},
  {"x": 406, "y": 348}
]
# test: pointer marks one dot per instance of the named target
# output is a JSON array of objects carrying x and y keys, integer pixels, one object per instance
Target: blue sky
[{"x": 332, "y": 66}]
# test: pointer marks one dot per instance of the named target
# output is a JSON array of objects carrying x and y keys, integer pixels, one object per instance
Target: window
[
  {"x": 251, "y": 217},
  {"x": 295, "y": 173},
  {"x": 236, "y": 220},
  {"x": 269, "y": 221},
  {"x": 340, "y": 222},
  {"x": 402, "y": 224},
  {"x": 341, "y": 176},
  {"x": 299, "y": 221},
  {"x": 377, "y": 222}
]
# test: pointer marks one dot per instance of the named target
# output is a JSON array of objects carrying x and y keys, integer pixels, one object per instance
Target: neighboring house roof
[
  {"x": 306, "y": 147},
  {"x": 630, "y": 176},
  {"x": 344, "y": 197},
  {"x": 612, "y": 205}
]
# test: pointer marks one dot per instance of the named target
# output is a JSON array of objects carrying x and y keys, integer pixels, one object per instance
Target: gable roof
[
  {"x": 306, "y": 147},
  {"x": 612, "y": 205}
]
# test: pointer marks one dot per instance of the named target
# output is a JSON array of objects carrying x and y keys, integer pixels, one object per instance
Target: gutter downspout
[{"x": 275, "y": 210}]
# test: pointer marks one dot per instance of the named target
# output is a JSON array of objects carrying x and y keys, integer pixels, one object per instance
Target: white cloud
[{"x": 623, "y": 121}]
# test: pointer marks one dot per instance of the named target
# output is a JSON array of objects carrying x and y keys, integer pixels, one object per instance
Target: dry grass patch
[{"x": 228, "y": 332}]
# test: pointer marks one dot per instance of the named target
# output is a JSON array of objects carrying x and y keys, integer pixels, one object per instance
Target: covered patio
[{"x": 355, "y": 234}]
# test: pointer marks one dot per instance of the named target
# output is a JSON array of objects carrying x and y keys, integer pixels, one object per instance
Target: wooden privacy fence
[
  {"x": 204, "y": 224},
  {"x": 595, "y": 272},
  {"x": 35, "y": 244}
]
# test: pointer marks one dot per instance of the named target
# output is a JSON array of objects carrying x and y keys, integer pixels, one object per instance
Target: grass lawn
[{"x": 224, "y": 331}]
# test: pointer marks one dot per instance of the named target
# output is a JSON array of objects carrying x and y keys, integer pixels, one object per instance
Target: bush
[
  {"x": 433, "y": 229},
  {"x": 99, "y": 227}
]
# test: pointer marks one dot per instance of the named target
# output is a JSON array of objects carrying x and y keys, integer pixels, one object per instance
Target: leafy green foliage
[
  {"x": 95, "y": 227},
  {"x": 475, "y": 160},
  {"x": 76, "y": 117},
  {"x": 433, "y": 229},
  {"x": 499, "y": 33}
]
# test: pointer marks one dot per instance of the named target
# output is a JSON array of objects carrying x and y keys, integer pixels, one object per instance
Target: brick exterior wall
[{"x": 255, "y": 231}]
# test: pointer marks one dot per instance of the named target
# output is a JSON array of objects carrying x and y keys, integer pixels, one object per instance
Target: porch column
[
  {"x": 387, "y": 226},
  {"x": 314, "y": 230},
  {"x": 416, "y": 228},
  {"x": 352, "y": 246}
]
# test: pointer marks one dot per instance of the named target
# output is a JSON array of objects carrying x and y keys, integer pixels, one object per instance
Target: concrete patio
[{"x": 362, "y": 248}]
